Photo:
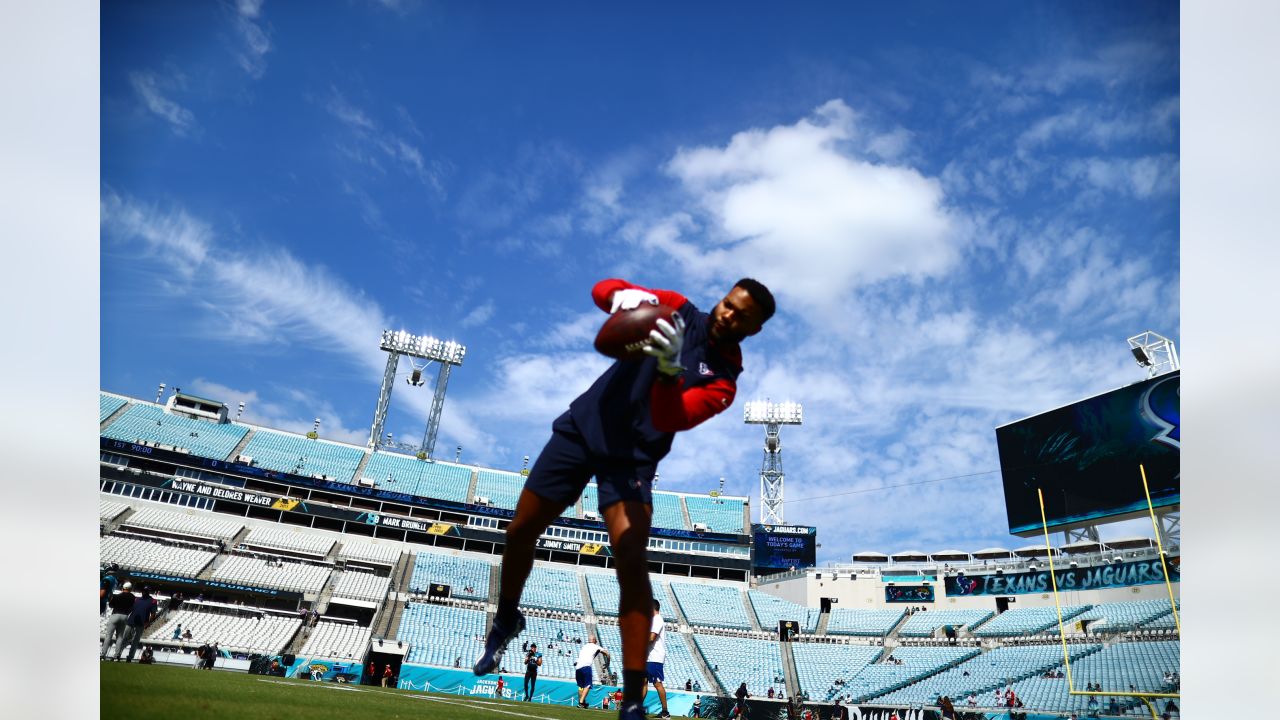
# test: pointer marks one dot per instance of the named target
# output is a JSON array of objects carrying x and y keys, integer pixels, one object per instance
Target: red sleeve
[
  {"x": 674, "y": 409},
  {"x": 603, "y": 291}
]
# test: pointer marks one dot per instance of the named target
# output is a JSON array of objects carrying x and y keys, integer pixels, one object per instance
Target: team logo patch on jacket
[{"x": 704, "y": 370}]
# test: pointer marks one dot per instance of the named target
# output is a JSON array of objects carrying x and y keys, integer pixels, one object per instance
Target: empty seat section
[
  {"x": 986, "y": 672},
  {"x": 153, "y": 556},
  {"x": 297, "y": 541},
  {"x": 203, "y": 525},
  {"x": 923, "y": 624},
  {"x": 667, "y": 512},
  {"x": 1140, "y": 664},
  {"x": 441, "y": 634},
  {"x": 604, "y": 592},
  {"x": 846, "y": 621},
  {"x": 1119, "y": 616},
  {"x": 590, "y": 499},
  {"x": 152, "y": 424},
  {"x": 286, "y": 575},
  {"x": 678, "y": 667},
  {"x": 467, "y": 577},
  {"x": 1027, "y": 621},
  {"x": 370, "y": 553},
  {"x": 770, "y": 610},
  {"x": 719, "y": 514},
  {"x": 711, "y": 605},
  {"x": 552, "y": 589},
  {"x": 820, "y": 666},
  {"x": 303, "y": 456},
  {"x": 917, "y": 662},
  {"x": 735, "y": 660},
  {"x": 268, "y": 634},
  {"x": 108, "y": 510},
  {"x": 108, "y": 404},
  {"x": 361, "y": 586},
  {"x": 424, "y": 478},
  {"x": 339, "y": 641},
  {"x": 503, "y": 490}
]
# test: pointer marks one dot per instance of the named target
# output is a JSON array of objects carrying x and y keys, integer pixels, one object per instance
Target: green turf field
[{"x": 141, "y": 692}]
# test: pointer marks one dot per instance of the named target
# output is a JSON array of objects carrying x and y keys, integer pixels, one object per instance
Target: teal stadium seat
[
  {"x": 458, "y": 572},
  {"x": 108, "y": 404},
  {"x": 734, "y": 660},
  {"x": 303, "y": 456},
  {"x": 152, "y": 424},
  {"x": 711, "y": 605},
  {"x": 719, "y": 514},
  {"x": 818, "y": 666},
  {"x": 845, "y": 621},
  {"x": 408, "y": 474}
]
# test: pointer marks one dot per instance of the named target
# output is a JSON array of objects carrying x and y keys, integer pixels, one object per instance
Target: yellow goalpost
[{"x": 1062, "y": 637}]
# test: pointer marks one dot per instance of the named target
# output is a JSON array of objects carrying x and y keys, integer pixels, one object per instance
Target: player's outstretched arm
[{"x": 614, "y": 294}]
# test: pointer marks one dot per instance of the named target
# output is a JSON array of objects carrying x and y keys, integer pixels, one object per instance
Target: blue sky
[{"x": 964, "y": 210}]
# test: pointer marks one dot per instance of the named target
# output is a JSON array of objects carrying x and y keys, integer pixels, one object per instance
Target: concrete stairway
[
  {"x": 239, "y": 448},
  {"x": 824, "y": 619},
  {"x": 789, "y": 669},
  {"x": 750, "y": 610},
  {"x": 714, "y": 687}
]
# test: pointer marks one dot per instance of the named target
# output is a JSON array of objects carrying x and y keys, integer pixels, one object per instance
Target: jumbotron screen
[
  {"x": 782, "y": 547},
  {"x": 1084, "y": 457}
]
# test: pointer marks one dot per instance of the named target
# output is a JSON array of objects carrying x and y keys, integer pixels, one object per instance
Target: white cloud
[
  {"x": 148, "y": 87},
  {"x": 1142, "y": 177},
  {"x": 255, "y": 42},
  {"x": 794, "y": 202},
  {"x": 479, "y": 315},
  {"x": 372, "y": 139},
  {"x": 297, "y": 416}
]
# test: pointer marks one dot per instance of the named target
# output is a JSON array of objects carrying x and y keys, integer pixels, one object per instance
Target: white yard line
[
  {"x": 330, "y": 686},
  {"x": 478, "y": 704}
]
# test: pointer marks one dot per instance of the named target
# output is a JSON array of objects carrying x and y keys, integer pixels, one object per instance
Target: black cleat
[{"x": 495, "y": 644}]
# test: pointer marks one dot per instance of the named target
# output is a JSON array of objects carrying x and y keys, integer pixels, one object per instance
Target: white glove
[
  {"x": 630, "y": 299},
  {"x": 665, "y": 343}
]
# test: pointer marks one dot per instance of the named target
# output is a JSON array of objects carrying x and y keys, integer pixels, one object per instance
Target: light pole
[{"x": 773, "y": 416}]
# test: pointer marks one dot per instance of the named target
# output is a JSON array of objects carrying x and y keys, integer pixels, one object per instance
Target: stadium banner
[
  {"x": 783, "y": 547},
  {"x": 554, "y": 691},
  {"x": 325, "y": 670},
  {"x": 231, "y": 469},
  {"x": 221, "y": 493},
  {"x": 908, "y": 593},
  {"x": 136, "y": 575},
  {"x": 1073, "y": 579},
  {"x": 1084, "y": 457}
]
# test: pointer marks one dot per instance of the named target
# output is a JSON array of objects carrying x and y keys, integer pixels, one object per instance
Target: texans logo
[
  {"x": 1161, "y": 405},
  {"x": 704, "y": 370}
]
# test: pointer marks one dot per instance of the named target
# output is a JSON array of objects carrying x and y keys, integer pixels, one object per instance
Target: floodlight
[
  {"x": 1154, "y": 352},
  {"x": 1140, "y": 355},
  {"x": 424, "y": 347},
  {"x": 772, "y": 415}
]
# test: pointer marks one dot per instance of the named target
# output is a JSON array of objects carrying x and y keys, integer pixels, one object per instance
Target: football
[{"x": 624, "y": 334}]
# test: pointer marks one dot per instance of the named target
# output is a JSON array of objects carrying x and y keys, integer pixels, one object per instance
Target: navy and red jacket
[{"x": 628, "y": 415}]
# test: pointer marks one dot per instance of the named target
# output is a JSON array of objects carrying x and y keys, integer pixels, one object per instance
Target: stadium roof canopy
[
  {"x": 1035, "y": 551},
  {"x": 1081, "y": 547},
  {"x": 950, "y": 555},
  {"x": 870, "y": 556},
  {"x": 993, "y": 553},
  {"x": 1132, "y": 543},
  {"x": 910, "y": 556}
]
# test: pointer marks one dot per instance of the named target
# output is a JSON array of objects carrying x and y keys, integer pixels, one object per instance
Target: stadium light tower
[
  {"x": 422, "y": 347},
  {"x": 773, "y": 416},
  {"x": 1154, "y": 352}
]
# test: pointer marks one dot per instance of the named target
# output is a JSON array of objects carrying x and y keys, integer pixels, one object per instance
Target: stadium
[{"x": 325, "y": 562}]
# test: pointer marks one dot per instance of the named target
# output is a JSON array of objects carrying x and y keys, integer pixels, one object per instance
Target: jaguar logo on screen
[{"x": 1161, "y": 406}]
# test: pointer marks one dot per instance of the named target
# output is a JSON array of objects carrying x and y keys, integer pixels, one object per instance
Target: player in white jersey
[
  {"x": 657, "y": 656},
  {"x": 582, "y": 668}
]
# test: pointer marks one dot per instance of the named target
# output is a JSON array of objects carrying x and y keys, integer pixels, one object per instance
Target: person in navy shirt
[{"x": 618, "y": 431}]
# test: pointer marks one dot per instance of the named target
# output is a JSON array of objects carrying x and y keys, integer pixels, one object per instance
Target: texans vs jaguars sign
[{"x": 1084, "y": 457}]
